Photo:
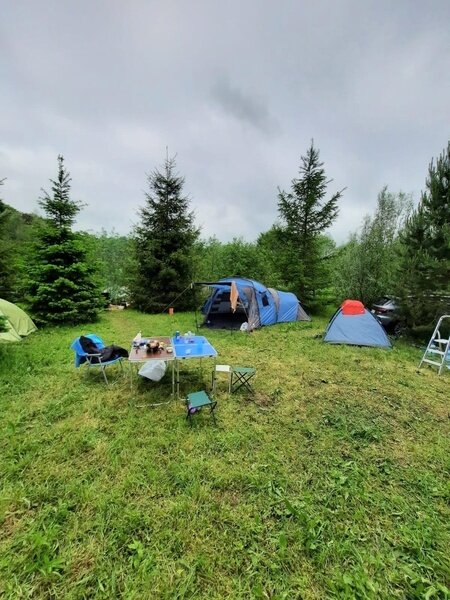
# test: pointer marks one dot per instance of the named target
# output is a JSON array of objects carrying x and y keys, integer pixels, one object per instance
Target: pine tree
[
  {"x": 61, "y": 286},
  {"x": 163, "y": 243},
  {"x": 305, "y": 215},
  {"x": 425, "y": 266}
]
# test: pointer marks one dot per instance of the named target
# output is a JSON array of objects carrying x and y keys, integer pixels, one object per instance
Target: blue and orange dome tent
[{"x": 353, "y": 324}]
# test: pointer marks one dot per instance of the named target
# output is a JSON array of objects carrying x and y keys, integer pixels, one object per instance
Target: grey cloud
[{"x": 243, "y": 106}]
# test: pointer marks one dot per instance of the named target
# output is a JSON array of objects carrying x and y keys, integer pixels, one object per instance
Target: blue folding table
[{"x": 195, "y": 346}]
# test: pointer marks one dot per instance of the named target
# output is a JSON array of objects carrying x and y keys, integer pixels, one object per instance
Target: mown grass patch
[{"x": 332, "y": 480}]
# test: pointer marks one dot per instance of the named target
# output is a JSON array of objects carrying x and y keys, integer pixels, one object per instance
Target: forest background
[{"x": 399, "y": 250}]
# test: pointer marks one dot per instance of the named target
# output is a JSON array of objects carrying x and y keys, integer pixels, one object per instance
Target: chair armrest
[{"x": 89, "y": 357}]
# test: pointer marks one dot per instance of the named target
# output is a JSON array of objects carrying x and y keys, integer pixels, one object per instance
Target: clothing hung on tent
[{"x": 234, "y": 296}]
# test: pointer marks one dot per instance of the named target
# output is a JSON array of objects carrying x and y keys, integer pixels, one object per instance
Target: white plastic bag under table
[{"x": 153, "y": 369}]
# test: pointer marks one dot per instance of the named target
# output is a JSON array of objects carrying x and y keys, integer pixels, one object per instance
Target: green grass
[{"x": 332, "y": 481}]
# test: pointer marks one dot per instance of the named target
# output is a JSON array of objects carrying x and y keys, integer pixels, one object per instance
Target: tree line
[{"x": 59, "y": 274}]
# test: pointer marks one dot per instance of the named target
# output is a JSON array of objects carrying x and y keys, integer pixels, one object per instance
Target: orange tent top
[{"x": 352, "y": 307}]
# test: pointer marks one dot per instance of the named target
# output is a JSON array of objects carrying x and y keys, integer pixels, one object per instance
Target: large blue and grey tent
[
  {"x": 254, "y": 303},
  {"x": 353, "y": 324}
]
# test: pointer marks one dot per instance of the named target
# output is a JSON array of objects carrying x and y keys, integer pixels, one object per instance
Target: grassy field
[{"x": 332, "y": 481}]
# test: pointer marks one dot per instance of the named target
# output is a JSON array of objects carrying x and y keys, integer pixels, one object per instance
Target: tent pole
[{"x": 195, "y": 311}]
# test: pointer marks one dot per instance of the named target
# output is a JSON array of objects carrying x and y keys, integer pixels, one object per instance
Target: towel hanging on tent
[{"x": 234, "y": 295}]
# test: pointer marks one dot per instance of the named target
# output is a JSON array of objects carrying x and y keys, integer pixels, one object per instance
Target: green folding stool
[
  {"x": 196, "y": 401},
  {"x": 241, "y": 377}
]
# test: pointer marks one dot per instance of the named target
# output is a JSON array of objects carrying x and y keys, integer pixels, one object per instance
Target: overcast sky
[{"x": 235, "y": 89}]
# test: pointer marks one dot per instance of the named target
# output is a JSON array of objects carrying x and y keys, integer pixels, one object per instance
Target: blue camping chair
[{"x": 93, "y": 360}]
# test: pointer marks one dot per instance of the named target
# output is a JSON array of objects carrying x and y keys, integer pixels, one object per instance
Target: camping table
[
  {"x": 140, "y": 355},
  {"x": 196, "y": 346}
]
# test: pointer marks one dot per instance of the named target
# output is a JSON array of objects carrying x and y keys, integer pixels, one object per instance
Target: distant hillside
[
  {"x": 15, "y": 224},
  {"x": 16, "y": 230}
]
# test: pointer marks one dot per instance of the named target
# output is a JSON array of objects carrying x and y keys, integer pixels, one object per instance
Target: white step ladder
[{"x": 438, "y": 349}]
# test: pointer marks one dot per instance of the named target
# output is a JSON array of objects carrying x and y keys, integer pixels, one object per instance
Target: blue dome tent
[
  {"x": 353, "y": 324},
  {"x": 256, "y": 304}
]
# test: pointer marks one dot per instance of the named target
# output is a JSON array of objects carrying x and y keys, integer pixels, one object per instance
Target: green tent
[{"x": 18, "y": 323}]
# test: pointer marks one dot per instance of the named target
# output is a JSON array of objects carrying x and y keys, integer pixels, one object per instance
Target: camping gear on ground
[
  {"x": 90, "y": 350},
  {"x": 437, "y": 352},
  {"x": 18, "y": 323},
  {"x": 175, "y": 349},
  {"x": 353, "y": 324},
  {"x": 191, "y": 346},
  {"x": 221, "y": 369},
  {"x": 237, "y": 377},
  {"x": 195, "y": 401},
  {"x": 241, "y": 377},
  {"x": 153, "y": 369},
  {"x": 235, "y": 300},
  {"x": 140, "y": 356},
  {"x": 99, "y": 352}
]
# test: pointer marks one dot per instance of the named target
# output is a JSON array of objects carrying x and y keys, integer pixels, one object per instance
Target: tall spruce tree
[
  {"x": 62, "y": 287},
  {"x": 163, "y": 244},
  {"x": 305, "y": 215},
  {"x": 425, "y": 265}
]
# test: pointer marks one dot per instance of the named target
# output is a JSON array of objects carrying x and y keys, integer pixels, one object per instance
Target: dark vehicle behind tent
[{"x": 387, "y": 311}]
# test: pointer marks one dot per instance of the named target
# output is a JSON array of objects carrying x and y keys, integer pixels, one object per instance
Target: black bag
[
  {"x": 112, "y": 352},
  {"x": 106, "y": 354}
]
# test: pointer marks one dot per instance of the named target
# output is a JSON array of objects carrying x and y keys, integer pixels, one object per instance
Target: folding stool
[
  {"x": 241, "y": 377},
  {"x": 221, "y": 369},
  {"x": 197, "y": 400}
]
